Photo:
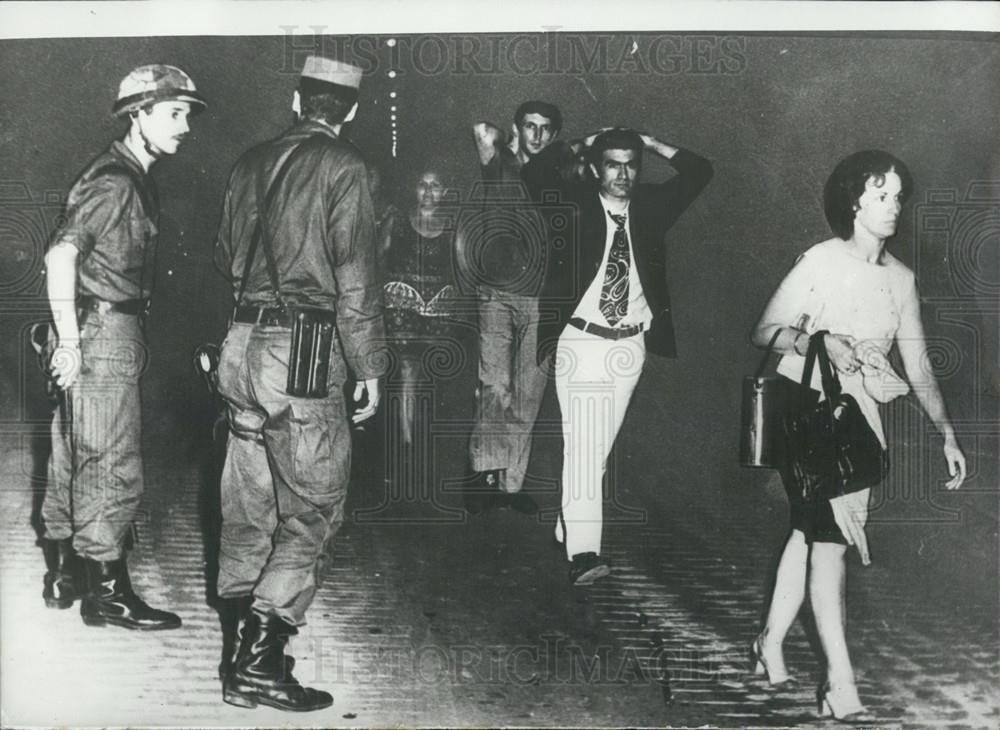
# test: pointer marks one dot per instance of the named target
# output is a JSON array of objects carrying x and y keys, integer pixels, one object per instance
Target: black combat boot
[
  {"x": 261, "y": 674},
  {"x": 110, "y": 600},
  {"x": 234, "y": 613},
  {"x": 61, "y": 582}
]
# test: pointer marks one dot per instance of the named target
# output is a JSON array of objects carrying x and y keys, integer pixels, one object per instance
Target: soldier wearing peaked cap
[
  {"x": 99, "y": 280},
  {"x": 297, "y": 241}
]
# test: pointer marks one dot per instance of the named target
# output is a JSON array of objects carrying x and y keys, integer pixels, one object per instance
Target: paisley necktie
[{"x": 614, "y": 292}]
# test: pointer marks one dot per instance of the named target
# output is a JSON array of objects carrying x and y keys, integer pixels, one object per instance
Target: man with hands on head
[
  {"x": 604, "y": 304},
  {"x": 504, "y": 256},
  {"x": 99, "y": 277}
]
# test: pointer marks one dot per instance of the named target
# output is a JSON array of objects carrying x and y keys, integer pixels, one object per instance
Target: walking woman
[{"x": 866, "y": 299}]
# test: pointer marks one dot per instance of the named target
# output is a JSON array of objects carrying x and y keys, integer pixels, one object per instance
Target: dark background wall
[{"x": 774, "y": 113}]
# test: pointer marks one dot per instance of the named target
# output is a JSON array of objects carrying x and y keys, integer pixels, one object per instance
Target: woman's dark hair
[
  {"x": 846, "y": 185},
  {"x": 323, "y": 101},
  {"x": 549, "y": 111},
  {"x": 615, "y": 139}
]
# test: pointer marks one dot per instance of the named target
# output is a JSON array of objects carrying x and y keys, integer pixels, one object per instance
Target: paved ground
[{"x": 433, "y": 618}]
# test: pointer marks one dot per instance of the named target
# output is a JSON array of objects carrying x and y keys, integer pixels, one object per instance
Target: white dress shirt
[{"x": 589, "y": 307}]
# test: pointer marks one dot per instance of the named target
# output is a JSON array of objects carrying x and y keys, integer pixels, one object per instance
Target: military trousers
[
  {"x": 95, "y": 467},
  {"x": 285, "y": 476}
]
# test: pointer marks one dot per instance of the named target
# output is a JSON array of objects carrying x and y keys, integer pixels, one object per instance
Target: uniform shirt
[
  {"x": 322, "y": 235},
  {"x": 589, "y": 307},
  {"x": 113, "y": 223}
]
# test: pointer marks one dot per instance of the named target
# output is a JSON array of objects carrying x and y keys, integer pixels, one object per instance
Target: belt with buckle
[
  {"x": 132, "y": 307},
  {"x": 608, "y": 333},
  {"x": 270, "y": 316}
]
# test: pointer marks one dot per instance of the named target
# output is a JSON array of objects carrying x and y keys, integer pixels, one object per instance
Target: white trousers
[{"x": 595, "y": 378}]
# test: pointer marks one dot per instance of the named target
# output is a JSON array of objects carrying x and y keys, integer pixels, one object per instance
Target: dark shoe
[
  {"x": 477, "y": 504},
  {"x": 523, "y": 503},
  {"x": 481, "y": 491},
  {"x": 61, "y": 581},
  {"x": 585, "y": 568},
  {"x": 234, "y": 613},
  {"x": 260, "y": 674},
  {"x": 112, "y": 602}
]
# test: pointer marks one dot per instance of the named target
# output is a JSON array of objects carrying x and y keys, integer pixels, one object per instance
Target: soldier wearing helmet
[
  {"x": 158, "y": 100},
  {"x": 99, "y": 275}
]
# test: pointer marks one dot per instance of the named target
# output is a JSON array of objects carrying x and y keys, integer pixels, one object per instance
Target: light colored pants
[
  {"x": 95, "y": 469},
  {"x": 595, "y": 378},
  {"x": 285, "y": 479},
  {"x": 511, "y": 385}
]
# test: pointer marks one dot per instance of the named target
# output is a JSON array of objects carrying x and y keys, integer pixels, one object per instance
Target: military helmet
[{"x": 156, "y": 82}]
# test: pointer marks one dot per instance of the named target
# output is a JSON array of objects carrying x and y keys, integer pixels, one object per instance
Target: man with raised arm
[{"x": 506, "y": 258}]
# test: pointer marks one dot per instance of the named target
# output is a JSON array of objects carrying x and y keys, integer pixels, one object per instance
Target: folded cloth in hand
[{"x": 880, "y": 381}]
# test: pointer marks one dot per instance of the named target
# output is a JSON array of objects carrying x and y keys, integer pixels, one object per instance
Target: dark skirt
[{"x": 813, "y": 517}]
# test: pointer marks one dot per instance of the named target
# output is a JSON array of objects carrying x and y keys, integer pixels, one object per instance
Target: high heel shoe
[
  {"x": 759, "y": 666},
  {"x": 842, "y": 703}
]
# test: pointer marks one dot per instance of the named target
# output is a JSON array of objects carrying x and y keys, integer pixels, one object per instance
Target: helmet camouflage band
[{"x": 156, "y": 82}]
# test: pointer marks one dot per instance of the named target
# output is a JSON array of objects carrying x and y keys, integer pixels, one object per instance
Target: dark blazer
[{"x": 576, "y": 241}]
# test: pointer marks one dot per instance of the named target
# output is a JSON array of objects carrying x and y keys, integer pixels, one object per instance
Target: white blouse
[{"x": 831, "y": 289}]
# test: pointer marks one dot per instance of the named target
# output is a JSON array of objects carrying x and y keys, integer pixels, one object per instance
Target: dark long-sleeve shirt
[{"x": 510, "y": 235}]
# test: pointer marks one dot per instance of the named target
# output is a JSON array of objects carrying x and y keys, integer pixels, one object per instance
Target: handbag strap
[
  {"x": 260, "y": 226},
  {"x": 828, "y": 377},
  {"x": 767, "y": 355}
]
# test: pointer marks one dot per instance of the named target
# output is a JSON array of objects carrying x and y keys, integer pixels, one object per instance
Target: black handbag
[
  {"x": 764, "y": 404},
  {"x": 831, "y": 450}
]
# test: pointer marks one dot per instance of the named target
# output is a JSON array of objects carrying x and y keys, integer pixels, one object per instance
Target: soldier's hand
[
  {"x": 371, "y": 387},
  {"x": 65, "y": 363}
]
